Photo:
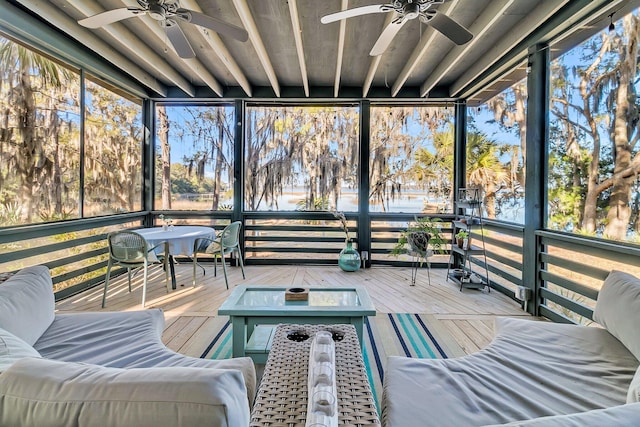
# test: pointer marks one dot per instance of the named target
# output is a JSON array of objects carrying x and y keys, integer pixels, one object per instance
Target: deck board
[{"x": 191, "y": 313}]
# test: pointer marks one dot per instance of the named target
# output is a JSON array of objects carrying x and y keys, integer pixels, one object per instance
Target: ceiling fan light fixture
[
  {"x": 405, "y": 11},
  {"x": 167, "y": 13}
]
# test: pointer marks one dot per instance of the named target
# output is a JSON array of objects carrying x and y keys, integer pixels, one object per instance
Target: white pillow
[
  {"x": 633, "y": 395},
  {"x": 618, "y": 309},
  {"x": 13, "y": 349},
  {"x": 27, "y": 304}
]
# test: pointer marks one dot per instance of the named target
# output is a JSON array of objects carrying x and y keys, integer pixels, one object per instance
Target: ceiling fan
[
  {"x": 168, "y": 13},
  {"x": 406, "y": 10}
]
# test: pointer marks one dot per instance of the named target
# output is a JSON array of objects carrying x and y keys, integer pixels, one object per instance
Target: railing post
[
  {"x": 238, "y": 168},
  {"x": 148, "y": 158},
  {"x": 364, "y": 219},
  {"x": 536, "y": 169},
  {"x": 460, "y": 148},
  {"x": 459, "y": 160}
]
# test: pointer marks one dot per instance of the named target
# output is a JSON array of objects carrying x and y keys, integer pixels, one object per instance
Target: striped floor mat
[{"x": 387, "y": 334}]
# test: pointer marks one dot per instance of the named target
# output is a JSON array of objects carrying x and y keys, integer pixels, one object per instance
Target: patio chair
[
  {"x": 130, "y": 250},
  {"x": 227, "y": 243}
]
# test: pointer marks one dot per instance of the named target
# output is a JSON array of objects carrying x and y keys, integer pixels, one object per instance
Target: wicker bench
[{"x": 282, "y": 396}]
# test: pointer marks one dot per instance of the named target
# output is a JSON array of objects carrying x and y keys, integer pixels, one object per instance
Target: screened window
[
  {"x": 194, "y": 157},
  {"x": 39, "y": 137},
  {"x": 593, "y": 157},
  {"x": 496, "y": 141},
  {"x": 301, "y": 158},
  {"x": 411, "y": 163},
  {"x": 112, "y": 151}
]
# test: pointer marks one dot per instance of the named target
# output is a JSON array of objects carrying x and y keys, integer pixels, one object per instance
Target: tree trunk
[
  {"x": 217, "y": 182},
  {"x": 29, "y": 150},
  {"x": 619, "y": 212},
  {"x": 163, "y": 134}
]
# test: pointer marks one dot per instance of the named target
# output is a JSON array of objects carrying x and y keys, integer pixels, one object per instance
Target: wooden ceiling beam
[
  {"x": 129, "y": 41},
  {"x": 250, "y": 26},
  {"x": 426, "y": 41},
  {"x": 375, "y": 61},
  {"x": 490, "y": 17},
  {"x": 340, "y": 56},
  {"x": 297, "y": 36},
  {"x": 216, "y": 43},
  {"x": 65, "y": 23},
  {"x": 541, "y": 14}
]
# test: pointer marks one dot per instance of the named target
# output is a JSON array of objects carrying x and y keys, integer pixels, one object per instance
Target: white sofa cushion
[
  {"x": 633, "y": 395},
  {"x": 618, "y": 309},
  {"x": 618, "y": 416},
  {"x": 27, "y": 303},
  {"x": 48, "y": 393},
  {"x": 13, "y": 349},
  {"x": 531, "y": 369},
  {"x": 125, "y": 339}
]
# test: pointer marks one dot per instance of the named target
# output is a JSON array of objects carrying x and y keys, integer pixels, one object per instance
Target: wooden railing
[{"x": 571, "y": 268}]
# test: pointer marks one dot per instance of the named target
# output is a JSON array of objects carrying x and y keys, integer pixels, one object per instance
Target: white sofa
[
  {"x": 533, "y": 373},
  {"x": 106, "y": 368}
]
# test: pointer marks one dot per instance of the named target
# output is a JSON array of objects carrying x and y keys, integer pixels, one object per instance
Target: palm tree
[
  {"x": 484, "y": 169},
  {"x": 26, "y": 74}
]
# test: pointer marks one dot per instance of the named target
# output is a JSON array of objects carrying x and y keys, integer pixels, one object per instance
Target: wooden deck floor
[{"x": 190, "y": 312}]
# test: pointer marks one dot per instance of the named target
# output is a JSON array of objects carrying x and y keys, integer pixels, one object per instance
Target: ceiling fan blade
[
  {"x": 356, "y": 11},
  {"x": 110, "y": 16},
  {"x": 179, "y": 41},
  {"x": 450, "y": 28},
  {"x": 387, "y": 35},
  {"x": 215, "y": 24}
]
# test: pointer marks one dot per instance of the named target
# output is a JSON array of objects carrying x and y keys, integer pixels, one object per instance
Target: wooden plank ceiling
[{"x": 291, "y": 54}]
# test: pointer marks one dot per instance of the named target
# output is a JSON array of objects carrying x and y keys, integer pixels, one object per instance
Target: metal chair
[
  {"x": 227, "y": 243},
  {"x": 130, "y": 250}
]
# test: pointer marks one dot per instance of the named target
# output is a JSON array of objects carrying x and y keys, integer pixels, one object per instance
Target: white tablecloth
[{"x": 180, "y": 237}]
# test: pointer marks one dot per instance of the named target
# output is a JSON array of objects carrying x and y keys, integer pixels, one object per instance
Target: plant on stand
[
  {"x": 416, "y": 239},
  {"x": 349, "y": 258},
  {"x": 418, "y": 236}
]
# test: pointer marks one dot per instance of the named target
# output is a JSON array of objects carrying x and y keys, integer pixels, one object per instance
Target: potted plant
[
  {"x": 418, "y": 236},
  {"x": 461, "y": 236}
]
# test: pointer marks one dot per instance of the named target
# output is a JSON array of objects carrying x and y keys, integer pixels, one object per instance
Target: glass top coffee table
[{"x": 248, "y": 306}]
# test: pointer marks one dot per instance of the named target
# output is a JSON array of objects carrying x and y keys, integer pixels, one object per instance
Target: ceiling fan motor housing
[
  {"x": 411, "y": 10},
  {"x": 157, "y": 12}
]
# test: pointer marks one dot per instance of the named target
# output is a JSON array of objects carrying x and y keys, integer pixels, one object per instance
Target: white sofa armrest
[
  {"x": 620, "y": 416},
  {"x": 48, "y": 393}
]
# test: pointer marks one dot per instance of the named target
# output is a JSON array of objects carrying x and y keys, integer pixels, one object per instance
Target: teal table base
[{"x": 243, "y": 326}]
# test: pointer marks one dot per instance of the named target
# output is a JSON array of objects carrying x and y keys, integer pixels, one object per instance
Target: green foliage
[
  {"x": 318, "y": 204},
  {"x": 48, "y": 216},
  {"x": 431, "y": 226},
  {"x": 10, "y": 214},
  {"x": 462, "y": 234}
]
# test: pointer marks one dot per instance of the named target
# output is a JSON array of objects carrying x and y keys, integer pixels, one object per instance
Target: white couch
[
  {"x": 532, "y": 374},
  {"x": 106, "y": 368}
]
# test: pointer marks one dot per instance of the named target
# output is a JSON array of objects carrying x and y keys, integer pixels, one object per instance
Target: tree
[
  {"x": 31, "y": 143},
  {"x": 398, "y": 134},
  {"x": 601, "y": 110},
  {"x": 484, "y": 169},
  {"x": 165, "y": 156},
  {"x": 113, "y": 152}
]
